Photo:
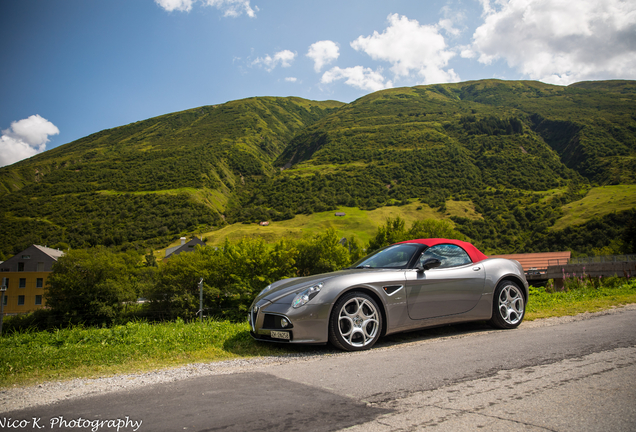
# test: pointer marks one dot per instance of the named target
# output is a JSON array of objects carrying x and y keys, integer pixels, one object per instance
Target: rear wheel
[
  {"x": 509, "y": 306},
  {"x": 355, "y": 323}
]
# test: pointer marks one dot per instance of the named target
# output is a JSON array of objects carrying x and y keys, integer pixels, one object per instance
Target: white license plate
[{"x": 279, "y": 334}]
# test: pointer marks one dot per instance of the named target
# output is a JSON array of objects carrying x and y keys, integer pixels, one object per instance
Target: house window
[
  {"x": 40, "y": 266},
  {"x": 26, "y": 256},
  {"x": 6, "y": 282},
  {"x": 39, "y": 282},
  {"x": 20, "y": 266},
  {"x": 20, "y": 300},
  {"x": 22, "y": 282},
  {"x": 38, "y": 299}
]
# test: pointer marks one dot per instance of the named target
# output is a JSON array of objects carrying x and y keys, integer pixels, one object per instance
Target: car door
[{"x": 453, "y": 288}]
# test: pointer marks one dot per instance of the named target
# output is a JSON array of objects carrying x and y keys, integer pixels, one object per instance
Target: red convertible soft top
[{"x": 474, "y": 253}]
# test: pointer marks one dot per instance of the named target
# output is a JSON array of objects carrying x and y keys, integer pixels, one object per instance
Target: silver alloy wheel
[
  {"x": 511, "y": 304},
  {"x": 358, "y": 322}
]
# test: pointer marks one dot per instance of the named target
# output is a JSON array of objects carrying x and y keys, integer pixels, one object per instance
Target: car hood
[{"x": 285, "y": 287}]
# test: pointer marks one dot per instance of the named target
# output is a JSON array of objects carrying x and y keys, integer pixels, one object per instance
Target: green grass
[
  {"x": 598, "y": 202},
  {"x": 544, "y": 304},
  {"x": 32, "y": 357}
]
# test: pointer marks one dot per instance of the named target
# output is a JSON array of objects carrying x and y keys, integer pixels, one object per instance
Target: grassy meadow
[
  {"x": 360, "y": 223},
  {"x": 599, "y": 202}
]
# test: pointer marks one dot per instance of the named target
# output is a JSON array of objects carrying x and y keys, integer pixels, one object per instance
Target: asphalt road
[{"x": 574, "y": 376}]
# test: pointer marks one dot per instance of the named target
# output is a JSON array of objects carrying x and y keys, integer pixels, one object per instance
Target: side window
[{"x": 449, "y": 255}]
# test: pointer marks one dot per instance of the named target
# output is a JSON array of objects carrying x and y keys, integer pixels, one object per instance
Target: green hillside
[
  {"x": 150, "y": 180},
  {"x": 519, "y": 154},
  {"x": 499, "y": 145}
]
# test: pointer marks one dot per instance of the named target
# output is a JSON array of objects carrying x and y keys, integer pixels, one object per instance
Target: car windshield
[{"x": 394, "y": 256}]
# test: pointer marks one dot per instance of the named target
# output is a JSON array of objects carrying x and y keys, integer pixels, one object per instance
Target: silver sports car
[{"x": 405, "y": 286}]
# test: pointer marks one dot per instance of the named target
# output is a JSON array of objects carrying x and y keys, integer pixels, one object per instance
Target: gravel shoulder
[{"x": 16, "y": 398}]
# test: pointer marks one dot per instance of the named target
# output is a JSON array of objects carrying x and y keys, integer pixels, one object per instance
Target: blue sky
[{"x": 74, "y": 67}]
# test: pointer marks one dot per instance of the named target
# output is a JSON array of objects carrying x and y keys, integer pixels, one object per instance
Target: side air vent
[{"x": 392, "y": 289}]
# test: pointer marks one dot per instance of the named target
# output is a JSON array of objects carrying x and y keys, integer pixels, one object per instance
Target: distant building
[
  {"x": 340, "y": 214},
  {"x": 27, "y": 273},
  {"x": 184, "y": 247},
  {"x": 264, "y": 223}
]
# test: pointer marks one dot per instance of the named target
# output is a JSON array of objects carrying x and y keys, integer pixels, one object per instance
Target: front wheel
[
  {"x": 508, "y": 306},
  {"x": 355, "y": 323}
]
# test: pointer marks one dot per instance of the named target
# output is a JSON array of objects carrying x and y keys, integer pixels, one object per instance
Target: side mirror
[{"x": 428, "y": 264}]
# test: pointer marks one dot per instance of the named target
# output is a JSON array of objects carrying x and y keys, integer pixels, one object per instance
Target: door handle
[{"x": 477, "y": 268}]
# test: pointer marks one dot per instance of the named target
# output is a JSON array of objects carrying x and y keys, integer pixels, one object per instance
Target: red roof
[
  {"x": 539, "y": 260},
  {"x": 474, "y": 253}
]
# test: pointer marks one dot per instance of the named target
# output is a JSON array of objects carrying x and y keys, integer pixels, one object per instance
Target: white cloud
[
  {"x": 284, "y": 58},
  {"x": 323, "y": 53},
  {"x": 453, "y": 16},
  {"x": 411, "y": 47},
  {"x": 448, "y": 26},
  {"x": 362, "y": 78},
  {"x": 560, "y": 41},
  {"x": 25, "y": 138},
  {"x": 291, "y": 79},
  {"x": 466, "y": 52},
  {"x": 232, "y": 8},
  {"x": 179, "y": 5}
]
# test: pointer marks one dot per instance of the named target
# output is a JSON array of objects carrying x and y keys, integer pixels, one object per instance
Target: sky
[{"x": 71, "y": 68}]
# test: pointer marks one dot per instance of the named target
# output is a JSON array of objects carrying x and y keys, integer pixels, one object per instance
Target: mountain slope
[
  {"x": 515, "y": 151},
  {"x": 176, "y": 172},
  {"x": 501, "y": 145}
]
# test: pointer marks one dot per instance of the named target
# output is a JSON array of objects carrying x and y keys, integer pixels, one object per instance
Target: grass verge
[
  {"x": 31, "y": 357},
  {"x": 545, "y": 304},
  {"x": 36, "y": 356}
]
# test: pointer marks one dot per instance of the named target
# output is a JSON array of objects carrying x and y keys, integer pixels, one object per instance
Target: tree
[
  {"x": 629, "y": 233},
  {"x": 92, "y": 286},
  {"x": 176, "y": 293},
  {"x": 151, "y": 260},
  {"x": 394, "y": 231},
  {"x": 321, "y": 253},
  {"x": 432, "y": 228}
]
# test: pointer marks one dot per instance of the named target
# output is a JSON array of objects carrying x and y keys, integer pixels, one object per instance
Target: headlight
[
  {"x": 303, "y": 297},
  {"x": 267, "y": 288}
]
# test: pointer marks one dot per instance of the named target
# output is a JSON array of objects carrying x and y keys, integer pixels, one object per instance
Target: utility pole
[
  {"x": 200, "y": 300},
  {"x": 3, "y": 288}
]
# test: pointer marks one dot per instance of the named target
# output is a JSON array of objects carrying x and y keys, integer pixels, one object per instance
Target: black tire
[
  {"x": 355, "y": 323},
  {"x": 509, "y": 306}
]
